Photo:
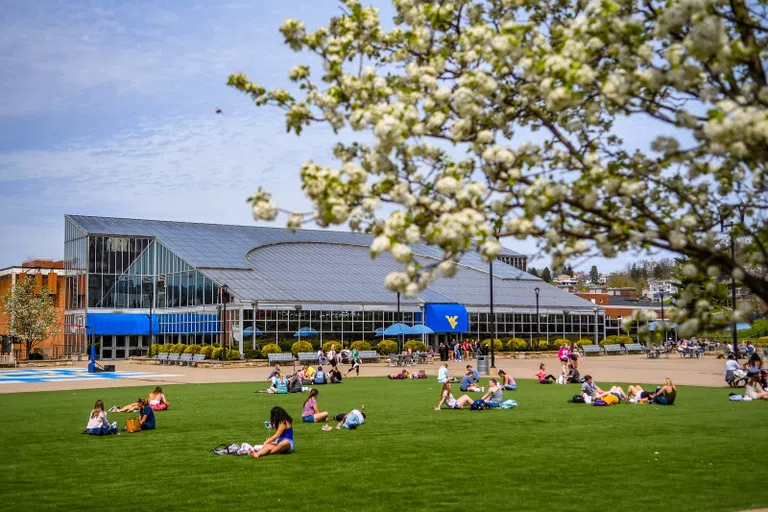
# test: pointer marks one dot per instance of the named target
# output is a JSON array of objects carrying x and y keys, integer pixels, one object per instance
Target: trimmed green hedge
[
  {"x": 615, "y": 340},
  {"x": 301, "y": 346},
  {"x": 192, "y": 349},
  {"x": 386, "y": 347},
  {"x": 360, "y": 345},
  {"x": 270, "y": 348},
  {"x": 415, "y": 346}
]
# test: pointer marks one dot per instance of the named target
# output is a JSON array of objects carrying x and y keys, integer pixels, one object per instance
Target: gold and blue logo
[{"x": 453, "y": 320}]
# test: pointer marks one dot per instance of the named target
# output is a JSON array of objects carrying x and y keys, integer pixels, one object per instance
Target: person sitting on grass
[
  {"x": 664, "y": 395},
  {"x": 447, "y": 398},
  {"x": 754, "y": 389},
  {"x": 274, "y": 371},
  {"x": 442, "y": 375},
  {"x": 147, "y": 415},
  {"x": 310, "y": 413},
  {"x": 294, "y": 384},
  {"x": 573, "y": 377},
  {"x": 468, "y": 384},
  {"x": 475, "y": 374},
  {"x": 543, "y": 377},
  {"x": 335, "y": 375},
  {"x": 590, "y": 389},
  {"x": 277, "y": 382},
  {"x": 352, "y": 419},
  {"x": 320, "y": 376},
  {"x": 307, "y": 374},
  {"x": 157, "y": 400},
  {"x": 98, "y": 425},
  {"x": 282, "y": 440},
  {"x": 494, "y": 397},
  {"x": 507, "y": 382},
  {"x": 399, "y": 376}
]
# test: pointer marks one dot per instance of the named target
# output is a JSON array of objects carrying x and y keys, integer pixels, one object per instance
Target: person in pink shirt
[
  {"x": 507, "y": 382},
  {"x": 310, "y": 413},
  {"x": 543, "y": 377},
  {"x": 563, "y": 354}
]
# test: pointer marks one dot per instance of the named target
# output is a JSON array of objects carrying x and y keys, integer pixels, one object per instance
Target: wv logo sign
[{"x": 452, "y": 320}]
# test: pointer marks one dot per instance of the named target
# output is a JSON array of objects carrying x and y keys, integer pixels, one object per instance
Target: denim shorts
[
  {"x": 281, "y": 439},
  {"x": 308, "y": 419}
]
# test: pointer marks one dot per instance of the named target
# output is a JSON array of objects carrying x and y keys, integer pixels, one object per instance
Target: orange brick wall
[{"x": 53, "y": 345}]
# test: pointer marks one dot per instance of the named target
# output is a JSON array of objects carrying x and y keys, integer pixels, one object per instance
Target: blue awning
[
  {"x": 120, "y": 323},
  {"x": 446, "y": 317}
]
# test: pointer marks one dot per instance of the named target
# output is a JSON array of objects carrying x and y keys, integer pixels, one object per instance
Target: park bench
[
  {"x": 197, "y": 358},
  {"x": 393, "y": 360},
  {"x": 173, "y": 358},
  {"x": 282, "y": 357},
  {"x": 592, "y": 349},
  {"x": 370, "y": 355},
  {"x": 635, "y": 347},
  {"x": 613, "y": 349},
  {"x": 161, "y": 358},
  {"x": 185, "y": 359},
  {"x": 308, "y": 357}
]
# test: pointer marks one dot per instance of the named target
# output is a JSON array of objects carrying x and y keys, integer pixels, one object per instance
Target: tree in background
[
  {"x": 594, "y": 275},
  {"x": 533, "y": 271},
  {"x": 546, "y": 275},
  {"x": 32, "y": 315},
  {"x": 448, "y": 94}
]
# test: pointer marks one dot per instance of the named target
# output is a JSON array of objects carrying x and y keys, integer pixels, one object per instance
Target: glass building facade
[{"x": 167, "y": 282}]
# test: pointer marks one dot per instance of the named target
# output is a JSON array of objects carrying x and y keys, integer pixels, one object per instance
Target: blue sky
[{"x": 108, "y": 108}]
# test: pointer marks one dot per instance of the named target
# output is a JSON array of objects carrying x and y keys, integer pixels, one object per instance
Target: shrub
[
  {"x": 315, "y": 344},
  {"x": 178, "y": 348},
  {"x": 250, "y": 353},
  {"x": 192, "y": 349},
  {"x": 497, "y": 346},
  {"x": 360, "y": 345},
  {"x": 301, "y": 346},
  {"x": 207, "y": 351},
  {"x": 615, "y": 340},
  {"x": 541, "y": 344},
  {"x": 517, "y": 344},
  {"x": 386, "y": 347},
  {"x": 270, "y": 348},
  {"x": 217, "y": 353},
  {"x": 559, "y": 343},
  {"x": 35, "y": 356},
  {"x": 156, "y": 349},
  {"x": 584, "y": 341},
  {"x": 327, "y": 345},
  {"x": 285, "y": 345},
  {"x": 233, "y": 355},
  {"x": 415, "y": 346}
]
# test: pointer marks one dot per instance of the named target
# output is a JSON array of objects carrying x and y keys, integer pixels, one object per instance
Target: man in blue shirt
[
  {"x": 475, "y": 375},
  {"x": 468, "y": 384}
]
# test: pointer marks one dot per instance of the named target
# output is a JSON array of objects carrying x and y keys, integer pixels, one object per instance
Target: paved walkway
[{"x": 707, "y": 371}]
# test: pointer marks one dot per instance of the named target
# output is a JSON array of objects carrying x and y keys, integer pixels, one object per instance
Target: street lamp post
[
  {"x": 493, "y": 318},
  {"x": 151, "y": 303},
  {"x": 538, "y": 318},
  {"x": 224, "y": 315},
  {"x": 723, "y": 225},
  {"x": 663, "y": 324}
]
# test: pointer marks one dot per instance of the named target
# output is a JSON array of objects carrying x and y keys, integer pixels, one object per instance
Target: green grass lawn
[{"x": 546, "y": 454}]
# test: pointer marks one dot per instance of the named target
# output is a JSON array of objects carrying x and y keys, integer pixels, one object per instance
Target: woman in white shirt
[
  {"x": 755, "y": 390},
  {"x": 447, "y": 398},
  {"x": 98, "y": 425}
]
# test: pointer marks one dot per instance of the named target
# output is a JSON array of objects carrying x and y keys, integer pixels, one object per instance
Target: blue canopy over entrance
[
  {"x": 121, "y": 323},
  {"x": 446, "y": 317}
]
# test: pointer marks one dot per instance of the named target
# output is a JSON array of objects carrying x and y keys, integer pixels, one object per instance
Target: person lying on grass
[
  {"x": 494, "y": 396},
  {"x": 614, "y": 395},
  {"x": 447, "y": 398},
  {"x": 282, "y": 440},
  {"x": 507, "y": 382},
  {"x": 543, "y": 377},
  {"x": 399, "y": 376},
  {"x": 664, "y": 395},
  {"x": 754, "y": 389},
  {"x": 98, "y": 425},
  {"x": 147, "y": 415},
  {"x": 468, "y": 384},
  {"x": 310, "y": 413},
  {"x": 352, "y": 419}
]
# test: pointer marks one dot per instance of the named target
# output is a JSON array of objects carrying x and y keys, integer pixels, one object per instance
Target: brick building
[{"x": 45, "y": 272}]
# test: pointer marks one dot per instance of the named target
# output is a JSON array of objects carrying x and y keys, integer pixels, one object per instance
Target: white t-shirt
[
  {"x": 442, "y": 375},
  {"x": 450, "y": 401},
  {"x": 98, "y": 421},
  {"x": 752, "y": 390},
  {"x": 731, "y": 365}
]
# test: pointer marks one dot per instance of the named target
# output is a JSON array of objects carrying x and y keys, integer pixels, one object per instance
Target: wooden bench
[
  {"x": 592, "y": 349},
  {"x": 173, "y": 358},
  {"x": 613, "y": 349},
  {"x": 161, "y": 358},
  {"x": 635, "y": 347},
  {"x": 185, "y": 359},
  {"x": 280, "y": 357},
  {"x": 197, "y": 358},
  {"x": 370, "y": 355},
  {"x": 308, "y": 357}
]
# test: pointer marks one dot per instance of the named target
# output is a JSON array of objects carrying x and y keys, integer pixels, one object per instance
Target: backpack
[
  {"x": 577, "y": 399},
  {"x": 477, "y": 405},
  {"x": 599, "y": 402},
  {"x": 509, "y": 404},
  {"x": 282, "y": 387}
]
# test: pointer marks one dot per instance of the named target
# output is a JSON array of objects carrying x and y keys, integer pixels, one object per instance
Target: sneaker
[
  {"x": 482, "y": 390},
  {"x": 327, "y": 428},
  {"x": 338, "y": 427}
]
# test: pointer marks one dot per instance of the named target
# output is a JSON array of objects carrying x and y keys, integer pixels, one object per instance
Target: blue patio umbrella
[
  {"x": 659, "y": 325},
  {"x": 398, "y": 330},
  {"x": 249, "y": 332},
  {"x": 379, "y": 331},
  {"x": 739, "y": 327},
  {"x": 421, "y": 329},
  {"x": 306, "y": 332}
]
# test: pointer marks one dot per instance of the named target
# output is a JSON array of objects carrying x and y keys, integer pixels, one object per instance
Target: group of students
[
  {"x": 307, "y": 376},
  {"x": 570, "y": 375},
  {"x": 282, "y": 440},
  {"x": 99, "y": 425},
  {"x": 662, "y": 395},
  {"x": 492, "y": 398},
  {"x": 335, "y": 359}
]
